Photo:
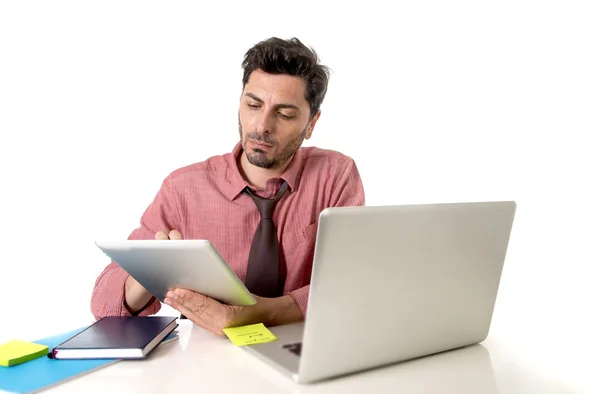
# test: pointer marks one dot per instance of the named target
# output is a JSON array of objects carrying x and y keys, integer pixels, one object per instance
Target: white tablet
[{"x": 189, "y": 264}]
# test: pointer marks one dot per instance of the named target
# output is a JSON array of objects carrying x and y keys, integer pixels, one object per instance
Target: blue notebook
[
  {"x": 43, "y": 372},
  {"x": 132, "y": 337}
]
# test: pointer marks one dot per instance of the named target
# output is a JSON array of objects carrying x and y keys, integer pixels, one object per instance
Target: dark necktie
[{"x": 264, "y": 276}]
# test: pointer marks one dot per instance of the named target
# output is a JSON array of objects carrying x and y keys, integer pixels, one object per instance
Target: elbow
[
  {"x": 97, "y": 308},
  {"x": 102, "y": 305}
]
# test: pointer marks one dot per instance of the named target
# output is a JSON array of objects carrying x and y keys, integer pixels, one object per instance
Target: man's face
[{"x": 273, "y": 118}]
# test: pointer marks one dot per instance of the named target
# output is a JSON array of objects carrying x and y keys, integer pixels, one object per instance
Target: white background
[{"x": 436, "y": 102}]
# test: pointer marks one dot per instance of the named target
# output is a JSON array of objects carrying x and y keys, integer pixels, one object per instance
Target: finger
[
  {"x": 185, "y": 293},
  {"x": 189, "y": 312},
  {"x": 161, "y": 236},
  {"x": 187, "y": 297},
  {"x": 197, "y": 303},
  {"x": 175, "y": 234}
]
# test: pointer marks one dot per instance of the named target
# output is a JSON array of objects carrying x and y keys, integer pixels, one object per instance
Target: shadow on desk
[{"x": 465, "y": 370}]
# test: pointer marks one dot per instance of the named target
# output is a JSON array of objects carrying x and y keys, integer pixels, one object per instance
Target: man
[{"x": 220, "y": 199}]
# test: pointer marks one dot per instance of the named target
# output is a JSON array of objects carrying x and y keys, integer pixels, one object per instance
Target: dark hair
[{"x": 278, "y": 56}]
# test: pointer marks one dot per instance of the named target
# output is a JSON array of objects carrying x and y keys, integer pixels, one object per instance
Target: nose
[{"x": 264, "y": 123}]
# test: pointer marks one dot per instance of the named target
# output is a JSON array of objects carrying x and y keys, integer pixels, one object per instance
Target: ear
[{"x": 311, "y": 125}]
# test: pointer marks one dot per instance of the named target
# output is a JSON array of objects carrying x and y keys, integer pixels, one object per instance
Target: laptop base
[{"x": 280, "y": 353}]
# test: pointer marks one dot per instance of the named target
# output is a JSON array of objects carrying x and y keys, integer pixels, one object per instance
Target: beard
[{"x": 259, "y": 157}]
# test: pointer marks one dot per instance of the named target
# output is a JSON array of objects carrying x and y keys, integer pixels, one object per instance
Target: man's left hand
[{"x": 214, "y": 316}]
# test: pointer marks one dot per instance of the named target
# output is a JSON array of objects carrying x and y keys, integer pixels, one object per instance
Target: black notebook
[{"x": 119, "y": 337}]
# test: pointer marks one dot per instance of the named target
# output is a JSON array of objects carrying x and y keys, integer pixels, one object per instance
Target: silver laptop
[{"x": 393, "y": 283}]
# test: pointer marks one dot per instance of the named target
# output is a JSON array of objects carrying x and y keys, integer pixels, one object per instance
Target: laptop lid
[{"x": 392, "y": 283}]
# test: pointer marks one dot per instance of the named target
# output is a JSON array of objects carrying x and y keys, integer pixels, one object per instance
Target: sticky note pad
[
  {"x": 249, "y": 335},
  {"x": 17, "y": 352}
]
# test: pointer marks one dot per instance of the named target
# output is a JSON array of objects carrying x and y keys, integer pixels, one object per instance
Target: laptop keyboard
[{"x": 295, "y": 348}]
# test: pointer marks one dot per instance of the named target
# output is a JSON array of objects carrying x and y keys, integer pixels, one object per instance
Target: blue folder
[{"x": 43, "y": 372}]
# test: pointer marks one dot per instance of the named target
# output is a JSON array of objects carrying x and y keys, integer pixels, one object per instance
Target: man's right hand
[{"x": 136, "y": 296}]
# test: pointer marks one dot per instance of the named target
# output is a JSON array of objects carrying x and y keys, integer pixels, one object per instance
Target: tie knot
[{"x": 266, "y": 206}]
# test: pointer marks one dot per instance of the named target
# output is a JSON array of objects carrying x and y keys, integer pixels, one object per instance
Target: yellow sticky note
[
  {"x": 17, "y": 352},
  {"x": 249, "y": 335}
]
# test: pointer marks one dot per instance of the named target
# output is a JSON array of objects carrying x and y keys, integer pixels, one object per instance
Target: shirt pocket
[
  {"x": 298, "y": 250},
  {"x": 300, "y": 236}
]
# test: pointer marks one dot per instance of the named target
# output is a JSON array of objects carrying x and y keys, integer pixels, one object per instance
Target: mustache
[{"x": 261, "y": 138}]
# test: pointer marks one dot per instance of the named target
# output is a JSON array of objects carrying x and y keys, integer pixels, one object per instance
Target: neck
[{"x": 257, "y": 176}]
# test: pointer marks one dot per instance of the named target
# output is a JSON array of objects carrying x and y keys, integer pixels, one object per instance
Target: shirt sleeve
[
  {"x": 300, "y": 296},
  {"x": 349, "y": 191},
  {"x": 108, "y": 295}
]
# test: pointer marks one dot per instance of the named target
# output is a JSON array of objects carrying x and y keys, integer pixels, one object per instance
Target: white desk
[{"x": 202, "y": 362}]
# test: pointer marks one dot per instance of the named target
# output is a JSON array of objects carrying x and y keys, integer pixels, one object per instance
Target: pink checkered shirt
[{"x": 204, "y": 201}]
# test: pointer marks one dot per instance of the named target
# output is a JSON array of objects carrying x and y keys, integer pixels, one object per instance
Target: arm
[
  {"x": 349, "y": 190},
  {"x": 110, "y": 292},
  {"x": 116, "y": 293},
  {"x": 274, "y": 311}
]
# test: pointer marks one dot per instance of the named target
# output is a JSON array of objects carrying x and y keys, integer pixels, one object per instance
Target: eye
[
  {"x": 253, "y": 106},
  {"x": 286, "y": 117}
]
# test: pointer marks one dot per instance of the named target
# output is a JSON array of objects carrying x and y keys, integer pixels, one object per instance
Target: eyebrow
[{"x": 283, "y": 105}]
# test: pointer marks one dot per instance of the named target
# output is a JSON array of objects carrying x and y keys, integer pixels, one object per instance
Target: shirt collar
[{"x": 237, "y": 183}]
